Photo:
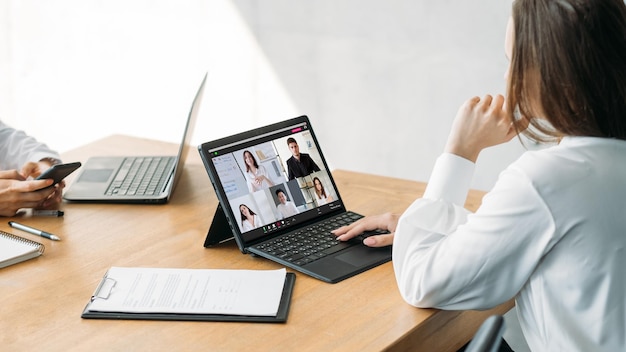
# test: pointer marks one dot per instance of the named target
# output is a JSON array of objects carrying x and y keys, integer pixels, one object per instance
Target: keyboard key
[{"x": 141, "y": 176}]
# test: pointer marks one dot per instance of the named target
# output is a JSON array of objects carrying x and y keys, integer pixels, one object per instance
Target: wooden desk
[{"x": 42, "y": 299}]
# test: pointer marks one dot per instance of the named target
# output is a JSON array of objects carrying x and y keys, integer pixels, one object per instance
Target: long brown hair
[
  {"x": 570, "y": 57},
  {"x": 321, "y": 192},
  {"x": 243, "y": 218},
  {"x": 253, "y": 159}
]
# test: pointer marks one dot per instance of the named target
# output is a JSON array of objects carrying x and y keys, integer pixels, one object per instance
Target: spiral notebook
[{"x": 15, "y": 249}]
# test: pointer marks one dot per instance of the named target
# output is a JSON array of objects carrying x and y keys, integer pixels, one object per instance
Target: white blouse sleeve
[{"x": 446, "y": 257}]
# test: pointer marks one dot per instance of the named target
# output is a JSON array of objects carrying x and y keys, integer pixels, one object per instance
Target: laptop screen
[
  {"x": 185, "y": 144},
  {"x": 272, "y": 178}
]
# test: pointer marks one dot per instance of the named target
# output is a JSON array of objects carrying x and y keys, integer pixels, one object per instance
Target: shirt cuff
[
  {"x": 41, "y": 155},
  {"x": 450, "y": 179},
  {"x": 51, "y": 161}
]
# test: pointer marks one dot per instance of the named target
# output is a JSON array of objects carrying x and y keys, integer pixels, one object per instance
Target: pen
[
  {"x": 56, "y": 213},
  {"x": 34, "y": 231}
]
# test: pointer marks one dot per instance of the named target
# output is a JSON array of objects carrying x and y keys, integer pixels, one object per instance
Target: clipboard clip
[{"x": 104, "y": 289}]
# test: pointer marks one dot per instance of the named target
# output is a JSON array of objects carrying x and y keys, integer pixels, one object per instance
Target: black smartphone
[{"x": 59, "y": 171}]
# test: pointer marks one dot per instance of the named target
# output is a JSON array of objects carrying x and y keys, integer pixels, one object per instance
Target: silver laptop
[{"x": 134, "y": 179}]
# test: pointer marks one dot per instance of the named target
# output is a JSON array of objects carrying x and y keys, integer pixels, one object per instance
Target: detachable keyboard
[{"x": 313, "y": 242}]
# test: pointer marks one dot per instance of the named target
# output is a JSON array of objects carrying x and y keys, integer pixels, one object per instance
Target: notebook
[
  {"x": 15, "y": 249},
  {"x": 281, "y": 207},
  {"x": 135, "y": 179}
]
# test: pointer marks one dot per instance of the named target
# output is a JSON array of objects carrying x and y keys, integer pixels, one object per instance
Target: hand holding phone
[{"x": 59, "y": 171}]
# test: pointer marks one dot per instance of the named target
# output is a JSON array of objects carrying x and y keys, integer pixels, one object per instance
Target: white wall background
[{"x": 381, "y": 80}]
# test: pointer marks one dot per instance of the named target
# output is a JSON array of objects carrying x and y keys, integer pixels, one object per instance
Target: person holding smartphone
[{"x": 22, "y": 159}]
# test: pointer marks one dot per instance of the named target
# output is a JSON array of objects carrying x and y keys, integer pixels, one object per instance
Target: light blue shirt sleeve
[{"x": 17, "y": 148}]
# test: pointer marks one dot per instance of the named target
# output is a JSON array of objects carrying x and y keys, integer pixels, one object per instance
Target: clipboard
[{"x": 107, "y": 284}]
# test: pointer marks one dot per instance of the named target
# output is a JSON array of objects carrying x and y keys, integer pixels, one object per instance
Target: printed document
[{"x": 189, "y": 291}]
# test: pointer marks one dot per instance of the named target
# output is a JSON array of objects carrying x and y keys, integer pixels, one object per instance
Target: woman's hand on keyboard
[{"x": 386, "y": 222}]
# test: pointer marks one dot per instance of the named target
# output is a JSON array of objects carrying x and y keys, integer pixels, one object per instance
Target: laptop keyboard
[
  {"x": 313, "y": 242},
  {"x": 141, "y": 176}
]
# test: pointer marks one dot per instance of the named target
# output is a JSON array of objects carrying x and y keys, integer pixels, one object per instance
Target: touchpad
[
  {"x": 95, "y": 175},
  {"x": 360, "y": 256}
]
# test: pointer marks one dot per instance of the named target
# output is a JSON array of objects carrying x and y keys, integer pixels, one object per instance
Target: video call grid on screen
[{"x": 271, "y": 153}]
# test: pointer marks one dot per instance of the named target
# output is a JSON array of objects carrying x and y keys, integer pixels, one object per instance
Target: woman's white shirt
[
  {"x": 260, "y": 171},
  {"x": 551, "y": 233},
  {"x": 247, "y": 226},
  {"x": 321, "y": 200}
]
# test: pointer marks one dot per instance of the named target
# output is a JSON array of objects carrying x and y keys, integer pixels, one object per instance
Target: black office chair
[{"x": 489, "y": 336}]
